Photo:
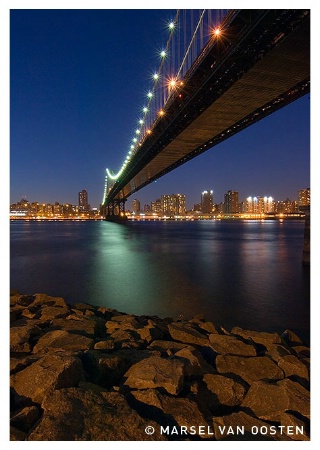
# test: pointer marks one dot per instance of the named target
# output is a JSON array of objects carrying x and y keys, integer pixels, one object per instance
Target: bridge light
[
  {"x": 145, "y": 109},
  {"x": 149, "y": 131},
  {"x": 163, "y": 54},
  {"x": 141, "y": 121},
  {"x": 161, "y": 112},
  {"x": 217, "y": 32},
  {"x": 137, "y": 131},
  {"x": 155, "y": 76},
  {"x": 134, "y": 139},
  {"x": 149, "y": 94},
  {"x": 132, "y": 147},
  {"x": 171, "y": 25}
]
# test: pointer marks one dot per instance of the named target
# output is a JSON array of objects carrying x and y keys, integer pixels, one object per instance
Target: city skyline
[{"x": 76, "y": 90}]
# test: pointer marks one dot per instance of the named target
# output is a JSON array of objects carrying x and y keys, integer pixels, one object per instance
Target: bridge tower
[{"x": 112, "y": 209}]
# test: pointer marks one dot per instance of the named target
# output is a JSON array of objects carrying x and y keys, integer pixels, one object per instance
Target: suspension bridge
[{"x": 220, "y": 72}]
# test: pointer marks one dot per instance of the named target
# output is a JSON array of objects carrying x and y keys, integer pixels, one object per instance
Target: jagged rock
[
  {"x": 49, "y": 373},
  {"x": 16, "y": 312},
  {"x": 258, "y": 337},
  {"x": 240, "y": 426},
  {"x": 250, "y": 369},
  {"x": 277, "y": 351},
  {"x": 60, "y": 340},
  {"x": 209, "y": 327},
  {"x": 44, "y": 299},
  {"x": 23, "y": 300},
  {"x": 167, "y": 346},
  {"x": 291, "y": 338},
  {"x": 25, "y": 418},
  {"x": 89, "y": 327},
  {"x": 156, "y": 372},
  {"x": 291, "y": 365},
  {"x": 184, "y": 332},
  {"x": 230, "y": 345},
  {"x": 77, "y": 414},
  {"x": 121, "y": 323},
  {"x": 127, "y": 338},
  {"x": 291, "y": 423},
  {"x": 228, "y": 391},
  {"x": 179, "y": 412},
  {"x": 105, "y": 369},
  {"x": 52, "y": 312},
  {"x": 17, "y": 435},
  {"x": 21, "y": 337},
  {"x": 194, "y": 363},
  {"x": 301, "y": 351},
  {"x": 106, "y": 345},
  {"x": 17, "y": 364},
  {"x": 150, "y": 332},
  {"x": 268, "y": 400}
]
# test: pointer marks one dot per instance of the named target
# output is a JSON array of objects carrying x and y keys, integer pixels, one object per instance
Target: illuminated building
[
  {"x": 174, "y": 204},
  {"x": 136, "y": 206},
  {"x": 304, "y": 197},
  {"x": 259, "y": 205},
  {"x": 231, "y": 202},
  {"x": 83, "y": 201},
  {"x": 207, "y": 202}
]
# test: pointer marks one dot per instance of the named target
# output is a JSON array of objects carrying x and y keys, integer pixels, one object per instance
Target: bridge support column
[
  {"x": 306, "y": 243},
  {"x": 115, "y": 210}
]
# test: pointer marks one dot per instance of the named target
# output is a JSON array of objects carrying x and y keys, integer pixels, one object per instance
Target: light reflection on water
[{"x": 246, "y": 274}]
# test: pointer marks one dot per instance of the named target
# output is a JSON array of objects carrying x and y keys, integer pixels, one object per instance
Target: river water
[{"x": 237, "y": 273}]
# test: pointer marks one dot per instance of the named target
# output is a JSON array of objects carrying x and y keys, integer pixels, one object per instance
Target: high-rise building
[
  {"x": 156, "y": 206},
  {"x": 259, "y": 205},
  {"x": 304, "y": 197},
  {"x": 231, "y": 202},
  {"x": 207, "y": 202},
  {"x": 83, "y": 201},
  {"x": 136, "y": 206},
  {"x": 174, "y": 204}
]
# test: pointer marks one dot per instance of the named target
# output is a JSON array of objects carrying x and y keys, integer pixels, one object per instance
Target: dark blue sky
[{"x": 78, "y": 80}]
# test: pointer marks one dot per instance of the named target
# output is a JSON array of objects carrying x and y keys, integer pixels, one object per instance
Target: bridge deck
[{"x": 271, "y": 82}]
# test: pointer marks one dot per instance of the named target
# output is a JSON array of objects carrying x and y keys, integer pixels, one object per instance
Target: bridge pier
[
  {"x": 306, "y": 243},
  {"x": 115, "y": 210}
]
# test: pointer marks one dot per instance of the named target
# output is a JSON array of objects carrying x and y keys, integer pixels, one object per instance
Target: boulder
[
  {"x": 171, "y": 411},
  {"x": 77, "y": 414},
  {"x": 60, "y": 340},
  {"x": 194, "y": 363},
  {"x": 277, "y": 351},
  {"x": 292, "y": 366},
  {"x": 106, "y": 345},
  {"x": 105, "y": 369},
  {"x": 21, "y": 337},
  {"x": 186, "y": 333},
  {"x": 228, "y": 391},
  {"x": 268, "y": 400},
  {"x": 258, "y": 337},
  {"x": 90, "y": 327},
  {"x": 291, "y": 338},
  {"x": 44, "y": 299},
  {"x": 241, "y": 426},
  {"x": 47, "y": 374},
  {"x": 209, "y": 327},
  {"x": 52, "y": 312},
  {"x": 250, "y": 369},
  {"x": 230, "y": 345},
  {"x": 167, "y": 347},
  {"x": 156, "y": 372},
  {"x": 25, "y": 418}
]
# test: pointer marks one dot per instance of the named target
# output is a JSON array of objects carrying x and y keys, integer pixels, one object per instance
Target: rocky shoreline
[{"x": 86, "y": 373}]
